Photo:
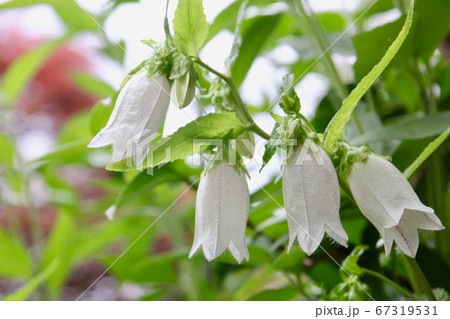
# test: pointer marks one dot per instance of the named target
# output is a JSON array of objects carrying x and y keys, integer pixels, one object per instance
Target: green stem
[
  {"x": 240, "y": 108},
  {"x": 418, "y": 278},
  {"x": 405, "y": 292},
  {"x": 310, "y": 23},
  {"x": 435, "y": 176}
]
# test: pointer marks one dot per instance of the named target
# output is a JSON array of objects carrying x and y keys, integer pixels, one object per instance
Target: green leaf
[
  {"x": 225, "y": 125},
  {"x": 326, "y": 275},
  {"x": 408, "y": 128},
  {"x": 22, "y": 293},
  {"x": 100, "y": 114},
  {"x": 225, "y": 20},
  {"x": 75, "y": 129},
  {"x": 59, "y": 246},
  {"x": 66, "y": 153},
  {"x": 75, "y": 17},
  {"x": 190, "y": 26},
  {"x": 350, "y": 263},
  {"x": 7, "y": 150},
  {"x": 284, "y": 294},
  {"x": 332, "y": 21},
  {"x": 143, "y": 182},
  {"x": 428, "y": 13},
  {"x": 117, "y": 3},
  {"x": 91, "y": 84},
  {"x": 19, "y": 73},
  {"x": 372, "y": 45},
  {"x": 157, "y": 268},
  {"x": 421, "y": 42},
  {"x": 270, "y": 147},
  {"x": 337, "y": 124},
  {"x": 258, "y": 255},
  {"x": 426, "y": 153},
  {"x": 237, "y": 37},
  {"x": 253, "y": 40},
  {"x": 15, "y": 260}
]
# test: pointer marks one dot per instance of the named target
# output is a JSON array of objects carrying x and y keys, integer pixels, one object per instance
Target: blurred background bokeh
[{"x": 60, "y": 58}]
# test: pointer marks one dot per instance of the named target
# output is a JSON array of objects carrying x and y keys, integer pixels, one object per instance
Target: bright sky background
[{"x": 133, "y": 22}]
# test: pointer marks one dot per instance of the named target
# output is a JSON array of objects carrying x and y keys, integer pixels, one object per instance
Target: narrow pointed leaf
[{"x": 337, "y": 124}]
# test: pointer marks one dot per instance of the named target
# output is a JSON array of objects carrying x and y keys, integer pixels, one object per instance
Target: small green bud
[
  {"x": 183, "y": 89},
  {"x": 290, "y": 102}
]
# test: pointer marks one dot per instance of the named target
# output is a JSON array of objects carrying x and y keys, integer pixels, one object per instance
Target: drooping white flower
[
  {"x": 138, "y": 114},
  {"x": 311, "y": 198},
  {"x": 221, "y": 213},
  {"x": 389, "y": 202}
]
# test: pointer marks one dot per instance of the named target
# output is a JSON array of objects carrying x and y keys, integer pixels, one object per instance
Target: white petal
[
  {"x": 311, "y": 197},
  {"x": 139, "y": 112},
  {"x": 405, "y": 236},
  {"x": 387, "y": 199},
  {"x": 382, "y": 192},
  {"x": 239, "y": 253},
  {"x": 425, "y": 219},
  {"x": 221, "y": 213}
]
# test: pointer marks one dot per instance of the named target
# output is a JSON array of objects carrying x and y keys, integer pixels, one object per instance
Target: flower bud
[
  {"x": 183, "y": 90},
  {"x": 389, "y": 202}
]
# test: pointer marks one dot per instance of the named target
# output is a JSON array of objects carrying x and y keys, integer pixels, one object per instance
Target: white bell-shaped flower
[
  {"x": 222, "y": 207},
  {"x": 138, "y": 114},
  {"x": 389, "y": 202},
  {"x": 311, "y": 198}
]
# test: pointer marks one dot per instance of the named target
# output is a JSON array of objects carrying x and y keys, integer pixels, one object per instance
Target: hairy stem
[
  {"x": 240, "y": 108},
  {"x": 418, "y": 278}
]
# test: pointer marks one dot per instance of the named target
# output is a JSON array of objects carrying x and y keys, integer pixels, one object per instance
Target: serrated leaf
[
  {"x": 350, "y": 264},
  {"x": 190, "y": 26},
  {"x": 337, "y": 124},
  {"x": 270, "y": 147},
  {"x": 225, "y": 125}
]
